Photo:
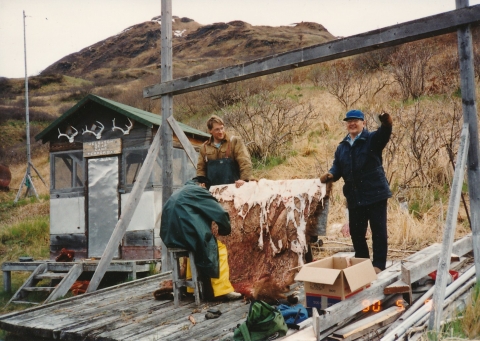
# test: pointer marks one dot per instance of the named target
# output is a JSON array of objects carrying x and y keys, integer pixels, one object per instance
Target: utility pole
[{"x": 27, "y": 179}]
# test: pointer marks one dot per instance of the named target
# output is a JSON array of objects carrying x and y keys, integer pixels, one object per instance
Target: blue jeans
[{"x": 376, "y": 215}]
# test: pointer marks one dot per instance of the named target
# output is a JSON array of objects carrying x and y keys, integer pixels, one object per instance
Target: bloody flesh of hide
[{"x": 270, "y": 220}]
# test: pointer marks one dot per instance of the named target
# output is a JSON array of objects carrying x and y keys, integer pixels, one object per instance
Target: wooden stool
[{"x": 180, "y": 283}]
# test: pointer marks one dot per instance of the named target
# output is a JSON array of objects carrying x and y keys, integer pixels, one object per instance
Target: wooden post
[
  {"x": 467, "y": 82},
  {"x": 7, "y": 281},
  {"x": 167, "y": 111},
  {"x": 127, "y": 213},
  {"x": 187, "y": 146},
  {"x": 167, "y": 101},
  {"x": 449, "y": 233}
]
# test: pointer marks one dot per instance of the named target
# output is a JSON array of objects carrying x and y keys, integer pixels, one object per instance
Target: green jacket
[{"x": 187, "y": 218}]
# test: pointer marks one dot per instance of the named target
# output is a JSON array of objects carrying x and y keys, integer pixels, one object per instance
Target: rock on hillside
[{"x": 139, "y": 46}]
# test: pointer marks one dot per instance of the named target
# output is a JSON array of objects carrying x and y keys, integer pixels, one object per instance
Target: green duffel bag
[{"x": 263, "y": 323}]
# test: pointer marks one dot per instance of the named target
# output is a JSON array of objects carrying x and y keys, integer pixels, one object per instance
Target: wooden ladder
[{"x": 42, "y": 272}]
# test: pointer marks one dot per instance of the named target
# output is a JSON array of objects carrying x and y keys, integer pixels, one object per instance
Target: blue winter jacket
[{"x": 361, "y": 168}]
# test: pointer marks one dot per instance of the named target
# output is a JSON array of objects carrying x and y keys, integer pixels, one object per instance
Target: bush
[
  {"x": 268, "y": 123},
  {"x": 409, "y": 66}
]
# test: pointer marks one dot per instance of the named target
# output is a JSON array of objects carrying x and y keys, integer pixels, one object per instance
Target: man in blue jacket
[{"x": 358, "y": 160}]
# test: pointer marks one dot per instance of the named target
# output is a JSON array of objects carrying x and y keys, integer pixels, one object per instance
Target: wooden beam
[
  {"x": 426, "y": 262},
  {"x": 385, "y": 37},
  {"x": 187, "y": 146},
  {"x": 167, "y": 112},
  {"x": 369, "y": 324},
  {"x": 127, "y": 213},
  {"x": 449, "y": 232}
]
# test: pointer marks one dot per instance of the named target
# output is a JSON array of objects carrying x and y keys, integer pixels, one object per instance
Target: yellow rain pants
[{"x": 221, "y": 285}]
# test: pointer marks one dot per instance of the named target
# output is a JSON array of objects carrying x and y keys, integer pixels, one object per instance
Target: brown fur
[
  {"x": 65, "y": 255},
  {"x": 267, "y": 290},
  {"x": 165, "y": 292}
]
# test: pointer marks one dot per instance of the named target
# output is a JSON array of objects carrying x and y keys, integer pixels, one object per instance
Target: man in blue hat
[{"x": 358, "y": 160}]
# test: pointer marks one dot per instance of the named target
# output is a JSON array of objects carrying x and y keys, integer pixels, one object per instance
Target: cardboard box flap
[
  {"x": 360, "y": 275},
  {"x": 318, "y": 275}
]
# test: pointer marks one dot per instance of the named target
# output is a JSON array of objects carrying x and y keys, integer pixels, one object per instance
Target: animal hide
[{"x": 270, "y": 224}]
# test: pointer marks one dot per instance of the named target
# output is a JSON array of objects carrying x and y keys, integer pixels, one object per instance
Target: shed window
[
  {"x": 67, "y": 170},
  {"x": 133, "y": 162},
  {"x": 183, "y": 169}
]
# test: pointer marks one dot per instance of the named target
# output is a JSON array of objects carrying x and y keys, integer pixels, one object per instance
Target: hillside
[
  {"x": 138, "y": 47},
  {"x": 120, "y": 66}
]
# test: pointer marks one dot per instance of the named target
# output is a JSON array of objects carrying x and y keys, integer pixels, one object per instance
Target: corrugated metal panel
[{"x": 102, "y": 203}]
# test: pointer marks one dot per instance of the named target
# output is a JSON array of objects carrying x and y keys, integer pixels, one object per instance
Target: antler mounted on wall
[
  {"x": 125, "y": 132},
  {"x": 97, "y": 135},
  {"x": 70, "y": 136}
]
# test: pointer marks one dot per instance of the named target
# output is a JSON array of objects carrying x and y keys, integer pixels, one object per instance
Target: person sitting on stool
[{"x": 187, "y": 217}]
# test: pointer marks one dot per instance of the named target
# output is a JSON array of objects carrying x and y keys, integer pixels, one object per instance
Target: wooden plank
[
  {"x": 369, "y": 324},
  {"x": 137, "y": 252},
  {"x": 187, "y": 146},
  {"x": 397, "y": 288},
  {"x": 66, "y": 283},
  {"x": 92, "y": 327},
  {"x": 127, "y": 214},
  {"x": 20, "y": 266},
  {"x": 422, "y": 263},
  {"x": 174, "y": 320},
  {"x": 449, "y": 232},
  {"x": 232, "y": 315},
  {"x": 389, "y": 36},
  {"x": 39, "y": 289},
  {"x": 51, "y": 275},
  {"x": 7, "y": 281},
  {"x": 469, "y": 105}
]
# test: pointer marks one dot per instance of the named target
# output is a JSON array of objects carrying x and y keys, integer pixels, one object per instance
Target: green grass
[
  {"x": 268, "y": 163},
  {"x": 26, "y": 238},
  {"x": 467, "y": 323}
]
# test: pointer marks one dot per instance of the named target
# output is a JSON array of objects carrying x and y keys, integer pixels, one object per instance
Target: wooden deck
[{"x": 125, "y": 312}]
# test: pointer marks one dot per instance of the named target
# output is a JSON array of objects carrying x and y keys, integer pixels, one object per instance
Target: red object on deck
[
  {"x": 454, "y": 275},
  {"x": 5, "y": 176}
]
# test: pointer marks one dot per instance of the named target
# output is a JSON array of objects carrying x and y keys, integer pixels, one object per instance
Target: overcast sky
[{"x": 56, "y": 28}]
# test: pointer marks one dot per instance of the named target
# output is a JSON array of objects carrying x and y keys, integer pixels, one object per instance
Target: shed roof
[{"x": 147, "y": 118}]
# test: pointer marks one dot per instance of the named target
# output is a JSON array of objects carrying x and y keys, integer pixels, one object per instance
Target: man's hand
[
  {"x": 328, "y": 180},
  {"x": 239, "y": 183},
  {"x": 385, "y": 119}
]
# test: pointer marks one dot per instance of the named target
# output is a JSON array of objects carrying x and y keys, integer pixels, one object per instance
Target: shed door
[{"x": 102, "y": 203}]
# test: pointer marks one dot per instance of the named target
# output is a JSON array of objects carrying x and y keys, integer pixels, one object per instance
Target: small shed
[{"x": 96, "y": 151}]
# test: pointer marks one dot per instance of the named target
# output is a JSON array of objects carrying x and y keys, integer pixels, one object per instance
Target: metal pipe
[{"x": 415, "y": 317}]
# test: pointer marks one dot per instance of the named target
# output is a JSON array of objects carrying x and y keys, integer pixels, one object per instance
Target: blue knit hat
[{"x": 354, "y": 114}]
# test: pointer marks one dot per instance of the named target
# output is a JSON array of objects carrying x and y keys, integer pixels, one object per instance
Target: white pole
[{"x": 27, "y": 177}]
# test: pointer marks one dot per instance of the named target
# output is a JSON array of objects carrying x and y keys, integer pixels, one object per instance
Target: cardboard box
[{"x": 334, "y": 279}]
